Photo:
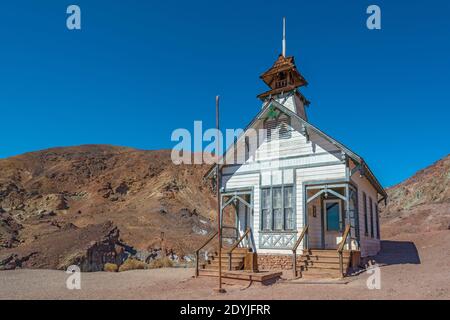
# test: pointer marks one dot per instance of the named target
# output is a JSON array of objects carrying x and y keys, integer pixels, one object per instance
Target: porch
[{"x": 325, "y": 242}]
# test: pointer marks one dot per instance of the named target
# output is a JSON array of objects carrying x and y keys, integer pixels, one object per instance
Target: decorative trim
[
  {"x": 280, "y": 240},
  {"x": 284, "y": 158},
  {"x": 305, "y": 166}
]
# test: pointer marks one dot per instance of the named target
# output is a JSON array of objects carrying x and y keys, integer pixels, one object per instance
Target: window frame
[
  {"x": 377, "y": 220},
  {"x": 366, "y": 218},
  {"x": 372, "y": 233},
  {"x": 339, "y": 226},
  {"x": 283, "y": 208}
]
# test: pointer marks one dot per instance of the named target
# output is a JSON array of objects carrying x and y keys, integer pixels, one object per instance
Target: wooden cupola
[
  {"x": 283, "y": 76},
  {"x": 284, "y": 79}
]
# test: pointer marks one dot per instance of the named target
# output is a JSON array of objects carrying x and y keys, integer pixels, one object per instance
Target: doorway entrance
[{"x": 332, "y": 211}]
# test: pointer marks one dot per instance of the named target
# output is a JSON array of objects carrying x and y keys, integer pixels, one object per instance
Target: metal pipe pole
[{"x": 219, "y": 209}]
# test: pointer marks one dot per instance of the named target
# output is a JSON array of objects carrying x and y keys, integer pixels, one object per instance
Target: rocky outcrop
[
  {"x": 89, "y": 248},
  {"x": 58, "y": 202},
  {"x": 428, "y": 186},
  {"x": 9, "y": 230},
  {"x": 98, "y": 253},
  {"x": 420, "y": 203},
  {"x": 13, "y": 261}
]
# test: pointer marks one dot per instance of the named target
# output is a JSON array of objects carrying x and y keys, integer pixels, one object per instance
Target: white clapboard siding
[
  {"x": 240, "y": 181},
  {"x": 297, "y": 160},
  {"x": 313, "y": 160},
  {"x": 297, "y": 145}
]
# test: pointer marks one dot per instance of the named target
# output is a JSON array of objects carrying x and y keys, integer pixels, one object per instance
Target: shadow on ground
[{"x": 397, "y": 252}]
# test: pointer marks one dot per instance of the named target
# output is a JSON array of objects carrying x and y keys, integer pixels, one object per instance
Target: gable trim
[{"x": 359, "y": 160}]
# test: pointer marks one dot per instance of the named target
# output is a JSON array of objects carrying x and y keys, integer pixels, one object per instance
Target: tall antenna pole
[
  {"x": 284, "y": 37},
  {"x": 218, "y": 183}
]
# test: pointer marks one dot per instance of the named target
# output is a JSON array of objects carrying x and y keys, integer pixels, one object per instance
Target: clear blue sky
[{"x": 140, "y": 69}]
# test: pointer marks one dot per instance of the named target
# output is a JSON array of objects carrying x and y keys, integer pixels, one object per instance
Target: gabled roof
[
  {"x": 280, "y": 65},
  {"x": 355, "y": 157}
]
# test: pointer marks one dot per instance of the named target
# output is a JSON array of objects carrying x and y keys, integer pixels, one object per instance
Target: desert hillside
[
  {"x": 93, "y": 204},
  {"x": 57, "y": 205},
  {"x": 421, "y": 203}
]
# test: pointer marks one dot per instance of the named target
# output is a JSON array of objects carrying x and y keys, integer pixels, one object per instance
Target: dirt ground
[{"x": 412, "y": 267}]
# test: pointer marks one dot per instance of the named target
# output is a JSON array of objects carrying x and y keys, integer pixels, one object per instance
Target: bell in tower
[{"x": 284, "y": 79}]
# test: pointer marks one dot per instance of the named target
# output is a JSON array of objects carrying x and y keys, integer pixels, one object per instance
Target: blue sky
[{"x": 140, "y": 69}]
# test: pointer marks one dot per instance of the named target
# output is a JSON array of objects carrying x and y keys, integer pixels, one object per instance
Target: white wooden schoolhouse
[{"x": 301, "y": 199}]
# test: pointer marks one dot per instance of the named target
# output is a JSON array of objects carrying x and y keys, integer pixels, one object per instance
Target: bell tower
[{"x": 284, "y": 79}]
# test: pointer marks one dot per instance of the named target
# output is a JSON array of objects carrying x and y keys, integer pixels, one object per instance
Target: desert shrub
[
  {"x": 110, "y": 267},
  {"x": 133, "y": 264},
  {"x": 164, "y": 262}
]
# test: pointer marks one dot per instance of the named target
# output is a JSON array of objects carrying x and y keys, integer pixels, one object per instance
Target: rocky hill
[
  {"x": 93, "y": 204},
  {"x": 58, "y": 205},
  {"x": 420, "y": 203}
]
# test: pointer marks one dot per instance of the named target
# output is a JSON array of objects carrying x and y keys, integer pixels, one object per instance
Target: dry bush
[
  {"x": 110, "y": 267},
  {"x": 133, "y": 264},
  {"x": 164, "y": 262}
]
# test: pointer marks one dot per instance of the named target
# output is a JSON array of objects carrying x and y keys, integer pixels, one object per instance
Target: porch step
[
  {"x": 237, "y": 260},
  {"x": 264, "y": 277},
  {"x": 224, "y": 268},
  {"x": 316, "y": 263},
  {"x": 226, "y": 259},
  {"x": 320, "y": 264},
  {"x": 325, "y": 253},
  {"x": 323, "y": 259},
  {"x": 236, "y": 265},
  {"x": 233, "y": 256}
]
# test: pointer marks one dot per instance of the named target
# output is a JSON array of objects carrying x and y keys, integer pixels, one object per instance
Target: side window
[
  {"x": 371, "y": 218},
  {"x": 289, "y": 216},
  {"x": 277, "y": 205},
  {"x": 366, "y": 222},
  {"x": 377, "y": 219},
  {"x": 266, "y": 211}
]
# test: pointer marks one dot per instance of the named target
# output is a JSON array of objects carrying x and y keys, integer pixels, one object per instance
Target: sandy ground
[{"x": 418, "y": 269}]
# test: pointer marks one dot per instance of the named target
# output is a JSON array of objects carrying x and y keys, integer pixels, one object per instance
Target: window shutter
[{"x": 278, "y": 128}]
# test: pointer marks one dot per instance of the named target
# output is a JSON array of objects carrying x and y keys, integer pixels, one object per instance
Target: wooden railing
[
  {"x": 198, "y": 250},
  {"x": 294, "y": 249},
  {"x": 281, "y": 83},
  {"x": 341, "y": 248},
  {"x": 247, "y": 234}
]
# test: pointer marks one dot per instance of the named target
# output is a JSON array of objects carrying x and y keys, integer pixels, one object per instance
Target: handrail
[
  {"x": 239, "y": 241},
  {"x": 341, "y": 248},
  {"x": 200, "y": 248},
  {"x": 294, "y": 250},
  {"x": 344, "y": 238},
  {"x": 302, "y": 235},
  {"x": 230, "y": 251}
]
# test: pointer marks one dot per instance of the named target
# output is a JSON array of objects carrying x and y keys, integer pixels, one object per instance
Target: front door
[{"x": 332, "y": 223}]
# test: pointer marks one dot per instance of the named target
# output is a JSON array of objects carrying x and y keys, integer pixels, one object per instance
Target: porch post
[
  {"x": 221, "y": 220},
  {"x": 236, "y": 223},
  {"x": 347, "y": 213}
]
